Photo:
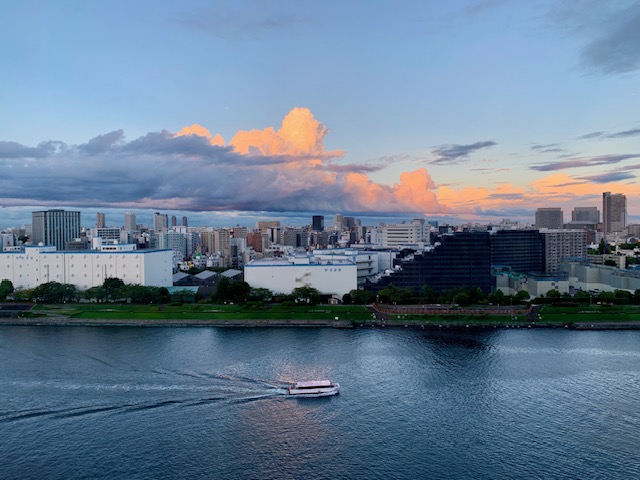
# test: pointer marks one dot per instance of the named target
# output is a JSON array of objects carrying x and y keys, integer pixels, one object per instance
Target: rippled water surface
[{"x": 149, "y": 403}]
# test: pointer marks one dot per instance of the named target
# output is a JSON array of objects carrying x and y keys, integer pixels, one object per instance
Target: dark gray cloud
[
  {"x": 608, "y": 31},
  {"x": 603, "y": 135},
  {"x": 355, "y": 168},
  {"x": 16, "y": 150},
  {"x": 616, "y": 46},
  {"x": 507, "y": 196},
  {"x": 583, "y": 162},
  {"x": 249, "y": 20},
  {"x": 102, "y": 143},
  {"x": 456, "y": 153},
  {"x": 607, "y": 177}
]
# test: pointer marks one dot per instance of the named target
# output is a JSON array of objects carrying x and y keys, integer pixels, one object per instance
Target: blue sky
[{"x": 469, "y": 110}]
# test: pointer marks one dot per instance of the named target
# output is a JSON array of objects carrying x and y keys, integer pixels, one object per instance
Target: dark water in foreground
[{"x": 149, "y": 403}]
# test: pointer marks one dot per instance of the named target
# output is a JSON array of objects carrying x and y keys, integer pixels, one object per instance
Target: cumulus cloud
[
  {"x": 284, "y": 169},
  {"x": 456, "y": 153}
]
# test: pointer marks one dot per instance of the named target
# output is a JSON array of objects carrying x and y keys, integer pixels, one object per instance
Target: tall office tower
[
  {"x": 184, "y": 221},
  {"x": 317, "y": 223},
  {"x": 130, "y": 222},
  {"x": 55, "y": 227},
  {"x": 614, "y": 212},
  {"x": 549, "y": 218},
  {"x": 585, "y": 214},
  {"x": 160, "y": 222},
  {"x": 100, "y": 220},
  {"x": 338, "y": 222},
  {"x": 174, "y": 221}
]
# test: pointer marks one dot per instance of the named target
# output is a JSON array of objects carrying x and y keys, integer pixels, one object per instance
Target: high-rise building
[
  {"x": 317, "y": 223},
  {"x": 160, "y": 222},
  {"x": 614, "y": 212},
  {"x": 130, "y": 222},
  {"x": 585, "y": 214},
  {"x": 549, "y": 218},
  {"x": 184, "y": 221},
  {"x": 338, "y": 222},
  {"x": 100, "y": 220},
  {"x": 55, "y": 227},
  {"x": 174, "y": 221}
]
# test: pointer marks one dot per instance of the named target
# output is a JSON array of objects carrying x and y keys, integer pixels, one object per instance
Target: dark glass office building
[
  {"x": 462, "y": 260},
  {"x": 465, "y": 260},
  {"x": 521, "y": 250}
]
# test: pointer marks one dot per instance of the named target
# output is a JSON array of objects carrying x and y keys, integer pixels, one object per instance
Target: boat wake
[{"x": 103, "y": 398}]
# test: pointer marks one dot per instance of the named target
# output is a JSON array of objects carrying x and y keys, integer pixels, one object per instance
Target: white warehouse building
[
  {"x": 331, "y": 277},
  {"x": 87, "y": 268}
]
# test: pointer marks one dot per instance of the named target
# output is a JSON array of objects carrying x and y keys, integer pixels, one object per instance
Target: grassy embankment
[
  {"x": 356, "y": 314},
  {"x": 351, "y": 313}
]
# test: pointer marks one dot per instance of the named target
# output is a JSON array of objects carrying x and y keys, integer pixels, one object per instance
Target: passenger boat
[{"x": 317, "y": 388}]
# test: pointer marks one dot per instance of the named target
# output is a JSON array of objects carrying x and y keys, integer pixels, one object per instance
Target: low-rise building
[
  {"x": 85, "y": 269},
  {"x": 283, "y": 275}
]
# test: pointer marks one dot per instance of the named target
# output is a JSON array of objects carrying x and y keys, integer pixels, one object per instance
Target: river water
[{"x": 153, "y": 403}]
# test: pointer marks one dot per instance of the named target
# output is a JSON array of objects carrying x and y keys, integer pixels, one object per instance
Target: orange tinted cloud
[{"x": 201, "y": 131}]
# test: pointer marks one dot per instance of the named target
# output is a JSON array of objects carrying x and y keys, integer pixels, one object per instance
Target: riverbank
[{"x": 342, "y": 324}]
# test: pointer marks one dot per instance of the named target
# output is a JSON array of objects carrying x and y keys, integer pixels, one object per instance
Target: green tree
[
  {"x": 95, "y": 293},
  {"x": 523, "y": 296},
  {"x": 239, "y": 291},
  {"x": 222, "y": 291},
  {"x": 183, "y": 296},
  {"x": 307, "y": 294},
  {"x": 54, "y": 292},
  {"x": 112, "y": 287},
  {"x": 362, "y": 297},
  {"x": 428, "y": 294},
  {"x": 6, "y": 289},
  {"x": 263, "y": 295},
  {"x": 462, "y": 299},
  {"x": 395, "y": 295}
]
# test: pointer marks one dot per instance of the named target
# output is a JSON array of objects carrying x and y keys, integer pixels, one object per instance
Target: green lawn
[
  {"x": 205, "y": 312},
  {"x": 589, "y": 313}
]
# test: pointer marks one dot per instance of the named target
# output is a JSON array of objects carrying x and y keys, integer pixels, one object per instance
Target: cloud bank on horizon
[
  {"x": 283, "y": 170},
  {"x": 287, "y": 169}
]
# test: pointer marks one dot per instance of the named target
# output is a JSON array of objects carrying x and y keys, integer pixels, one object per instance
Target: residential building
[
  {"x": 614, "y": 212},
  {"x": 130, "y": 222},
  {"x": 160, "y": 222},
  {"x": 100, "y": 220},
  {"x": 560, "y": 245}
]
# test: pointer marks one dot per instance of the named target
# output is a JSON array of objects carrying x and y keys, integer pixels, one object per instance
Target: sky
[{"x": 233, "y": 111}]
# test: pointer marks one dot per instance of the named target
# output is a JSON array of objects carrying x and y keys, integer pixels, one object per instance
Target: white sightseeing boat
[{"x": 317, "y": 388}]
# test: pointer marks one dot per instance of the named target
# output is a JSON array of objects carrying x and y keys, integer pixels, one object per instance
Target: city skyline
[{"x": 244, "y": 110}]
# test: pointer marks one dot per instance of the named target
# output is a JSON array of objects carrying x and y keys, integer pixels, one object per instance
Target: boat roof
[{"x": 314, "y": 383}]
